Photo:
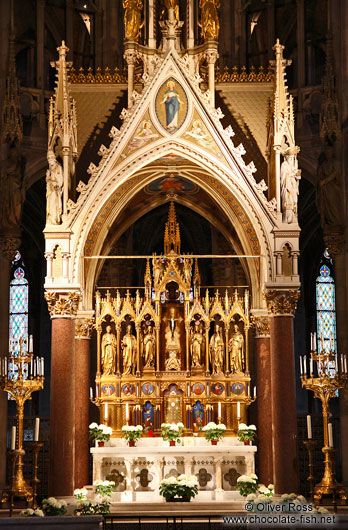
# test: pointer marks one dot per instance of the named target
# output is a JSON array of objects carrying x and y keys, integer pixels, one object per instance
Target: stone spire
[{"x": 172, "y": 233}]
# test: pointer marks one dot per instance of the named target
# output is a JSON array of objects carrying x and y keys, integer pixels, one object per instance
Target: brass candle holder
[
  {"x": 329, "y": 379},
  {"x": 36, "y": 446},
  {"x": 21, "y": 375},
  {"x": 310, "y": 446}
]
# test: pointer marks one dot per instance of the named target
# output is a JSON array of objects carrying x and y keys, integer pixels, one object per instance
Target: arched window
[
  {"x": 19, "y": 294},
  {"x": 326, "y": 311}
]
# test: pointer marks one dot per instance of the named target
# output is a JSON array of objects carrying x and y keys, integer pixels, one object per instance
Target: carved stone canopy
[
  {"x": 282, "y": 302},
  {"x": 62, "y": 304}
]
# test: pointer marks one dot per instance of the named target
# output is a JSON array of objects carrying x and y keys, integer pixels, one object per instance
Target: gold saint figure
[
  {"x": 149, "y": 347},
  {"x": 196, "y": 342},
  {"x": 129, "y": 346},
  {"x": 166, "y": 4},
  {"x": 236, "y": 350},
  {"x": 108, "y": 352},
  {"x": 132, "y": 19},
  {"x": 216, "y": 349},
  {"x": 209, "y": 19}
]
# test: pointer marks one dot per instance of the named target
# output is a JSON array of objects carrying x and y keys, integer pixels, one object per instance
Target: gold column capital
[
  {"x": 281, "y": 302},
  {"x": 83, "y": 328},
  {"x": 262, "y": 326},
  {"x": 62, "y": 303}
]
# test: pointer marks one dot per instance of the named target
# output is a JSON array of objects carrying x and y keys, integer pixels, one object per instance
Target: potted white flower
[
  {"x": 29, "y": 512},
  {"x": 246, "y": 433},
  {"x": 104, "y": 488},
  {"x": 80, "y": 494},
  {"x": 179, "y": 489},
  {"x": 247, "y": 484},
  {"x": 100, "y": 433},
  {"x": 53, "y": 506},
  {"x": 172, "y": 432},
  {"x": 214, "y": 432},
  {"x": 132, "y": 433}
]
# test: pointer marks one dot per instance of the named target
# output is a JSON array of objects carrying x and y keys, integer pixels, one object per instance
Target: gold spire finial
[{"x": 172, "y": 232}]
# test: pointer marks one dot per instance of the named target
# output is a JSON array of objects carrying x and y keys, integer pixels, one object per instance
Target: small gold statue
[
  {"x": 209, "y": 19},
  {"x": 172, "y": 334},
  {"x": 149, "y": 346},
  {"x": 166, "y": 4},
  {"x": 129, "y": 347},
  {"x": 108, "y": 354},
  {"x": 173, "y": 363},
  {"x": 236, "y": 350},
  {"x": 132, "y": 19},
  {"x": 196, "y": 343},
  {"x": 216, "y": 349}
]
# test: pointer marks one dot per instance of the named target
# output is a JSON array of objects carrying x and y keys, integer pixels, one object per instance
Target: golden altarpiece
[{"x": 175, "y": 353}]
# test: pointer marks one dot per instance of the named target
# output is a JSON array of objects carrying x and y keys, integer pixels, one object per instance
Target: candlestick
[
  {"x": 31, "y": 344},
  {"x": 105, "y": 411},
  {"x": 219, "y": 410},
  {"x": 13, "y": 438},
  {"x": 127, "y": 413},
  {"x": 301, "y": 369},
  {"x": 91, "y": 392},
  {"x": 345, "y": 363},
  {"x": 311, "y": 366},
  {"x": 254, "y": 392},
  {"x": 310, "y": 445},
  {"x": 309, "y": 427},
  {"x": 238, "y": 410},
  {"x": 37, "y": 428},
  {"x": 36, "y": 446}
]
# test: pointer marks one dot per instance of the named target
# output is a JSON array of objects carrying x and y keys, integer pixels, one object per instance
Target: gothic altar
[
  {"x": 173, "y": 353},
  {"x": 138, "y": 470}
]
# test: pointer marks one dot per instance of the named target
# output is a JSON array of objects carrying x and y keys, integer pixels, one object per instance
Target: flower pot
[
  {"x": 171, "y": 443},
  {"x": 131, "y": 443},
  {"x": 101, "y": 444},
  {"x": 178, "y": 499},
  {"x": 247, "y": 442},
  {"x": 214, "y": 442}
]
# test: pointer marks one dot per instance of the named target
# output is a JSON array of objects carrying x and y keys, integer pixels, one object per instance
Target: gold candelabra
[
  {"x": 325, "y": 376},
  {"x": 20, "y": 376}
]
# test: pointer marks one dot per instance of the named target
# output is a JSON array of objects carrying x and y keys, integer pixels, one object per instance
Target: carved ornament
[
  {"x": 334, "y": 240},
  {"x": 83, "y": 328},
  {"x": 62, "y": 303},
  {"x": 280, "y": 302},
  {"x": 9, "y": 246},
  {"x": 261, "y": 325}
]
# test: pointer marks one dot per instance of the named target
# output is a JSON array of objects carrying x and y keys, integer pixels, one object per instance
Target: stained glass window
[
  {"x": 19, "y": 291},
  {"x": 326, "y": 312}
]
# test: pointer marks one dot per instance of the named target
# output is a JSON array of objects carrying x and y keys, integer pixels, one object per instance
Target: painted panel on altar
[
  {"x": 148, "y": 417},
  {"x": 171, "y": 105}
]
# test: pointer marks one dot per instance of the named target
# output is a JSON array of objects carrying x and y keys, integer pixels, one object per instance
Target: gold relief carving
[
  {"x": 242, "y": 76},
  {"x": 282, "y": 302},
  {"x": 98, "y": 78},
  {"x": 83, "y": 328},
  {"x": 62, "y": 304},
  {"x": 9, "y": 246},
  {"x": 261, "y": 325},
  {"x": 334, "y": 241}
]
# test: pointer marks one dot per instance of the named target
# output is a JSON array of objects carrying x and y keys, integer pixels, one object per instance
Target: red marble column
[
  {"x": 82, "y": 342},
  {"x": 264, "y": 400},
  {"x": 62, "y": 417},
  {"x": 284, "y": 418}
]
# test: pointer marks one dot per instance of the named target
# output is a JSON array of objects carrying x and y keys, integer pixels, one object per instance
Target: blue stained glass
[
  {"x": 324, "y": 271},
  {"x": 18, "y": 307},
  {"x": 326, "y": 254},
  {"x": 326, "y": 314}
]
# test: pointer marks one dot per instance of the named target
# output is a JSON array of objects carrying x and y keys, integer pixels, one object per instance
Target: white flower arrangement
[
  {"x": 53, "y": 506},
  {"x": 172, "y": 431},
  {"x": 29, "y": 512},
  {"x": 247, "y": 484},
  {"x": 132, "y": 433},
  {"x": 101, "y": 432},
  {"x": 183, "y": 486},
  {"x": 214, "y": 432},
  {"x": 104, "y": 488},
  {"x": 246, "y": 433},
  {"x": 81, "y": 494}
]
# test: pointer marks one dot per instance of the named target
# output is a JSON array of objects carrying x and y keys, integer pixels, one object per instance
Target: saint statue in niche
[
  {"x": 149, "y": 346},
  {"x": 129, "y": 347},
  {"x": 236, "y": 350},
  {"x": 216, "y": 349},
  {"x": 54, "y": 190},
  {"x": 108, "y": 352},
  {"x": 196, "y": 343},
  {"x": 210, "y": 20},
  {"x": 166, "y": 5},
  {"x": 289, "y": 180},
  {"x": 132, "y": 19},
  {"x": 172, "y": 104}
]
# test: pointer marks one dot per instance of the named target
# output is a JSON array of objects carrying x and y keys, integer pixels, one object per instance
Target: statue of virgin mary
[{"x": 172, "y": 103}]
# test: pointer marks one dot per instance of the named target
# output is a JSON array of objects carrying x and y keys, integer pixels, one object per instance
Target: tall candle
[
  {"x": 301, "y": 369},
  {"x": 31, "y": 344},
  {"x": 106, "y": 411},
  {"x": 330, "y": 435},
  {"x": 219, "y": 409},
  {"x": 42, "y": 366},
  {"x": 127, "y": 412},
  {"x": 336, "y": 363},
  {"x": 311, "y": 366},
  {"x": 37, "y": 428},
  {"x": 315, "y": 340},
  {"x": 305, "y": 365},
  {"x": 238, "y": 409},
  {"x": 91, "y": 392},
  {"x": 309, "y": 427},
  {"x": 13, "y": 438},
  {"x": 345, "y": 363},
  {"x": 254, "y": 392}
]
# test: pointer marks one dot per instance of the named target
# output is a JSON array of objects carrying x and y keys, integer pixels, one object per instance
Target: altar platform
[{"x": 137, "y": 471}]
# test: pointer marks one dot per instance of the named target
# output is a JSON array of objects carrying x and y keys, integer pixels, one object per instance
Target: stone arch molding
[{"x": 223, "y": 174}]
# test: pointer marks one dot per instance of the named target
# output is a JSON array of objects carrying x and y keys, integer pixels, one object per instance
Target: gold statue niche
[
  {"x": 166, "y": 5},
  {"x": 132, "y": 19},
  {"x": 210, "y": 25},
  {"x": 166, "y": 352}
]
